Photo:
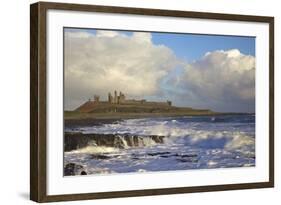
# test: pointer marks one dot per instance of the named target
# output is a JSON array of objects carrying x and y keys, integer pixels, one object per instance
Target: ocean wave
[
  {"x": 207, "y": 135},
  {"x": 93, "y": 149},
  {"x": 186, "y": 143}
]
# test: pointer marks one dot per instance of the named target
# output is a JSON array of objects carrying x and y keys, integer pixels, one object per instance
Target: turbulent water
[{"x": 190, "y": 143}]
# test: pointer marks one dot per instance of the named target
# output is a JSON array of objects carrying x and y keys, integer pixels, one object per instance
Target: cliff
[
  {"x": 119, "y": 107},
  {"x": 73, "y": 141}
]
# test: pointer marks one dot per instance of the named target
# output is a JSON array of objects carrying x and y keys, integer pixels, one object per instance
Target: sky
[{"x": 200, "y": 71}]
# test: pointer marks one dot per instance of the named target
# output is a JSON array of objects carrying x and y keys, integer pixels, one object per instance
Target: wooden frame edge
[
  {"x": 153, "y": 12},
  {"x": 155, "y": 192},
  {"x": 34, "y": 102},
  {"x": 37, "y": 102},
  {"x": 271, "y": 100},
  {"x": 38, "y": 166}
]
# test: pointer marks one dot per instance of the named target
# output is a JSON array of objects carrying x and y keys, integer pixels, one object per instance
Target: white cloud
[
  {"x": 221, "y": 80},
  {"x": 104, "y": 33},
  {"x": 110, "y": 60}
]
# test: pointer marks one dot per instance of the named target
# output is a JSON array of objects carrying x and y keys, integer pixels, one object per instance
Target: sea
[{"x": 190, "y": 142}]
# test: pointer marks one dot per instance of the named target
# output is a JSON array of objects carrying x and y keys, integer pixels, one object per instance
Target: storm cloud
[
  {"x": 108, "y": 60},
  {"x": 96, "y": 63},
  {"x": 221, "y": 80}
]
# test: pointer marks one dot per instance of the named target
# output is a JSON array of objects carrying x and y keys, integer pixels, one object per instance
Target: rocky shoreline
[
  {"x": 85, "y": 122},
  {"x": 72, "y": 169},
  {"x": 78, "y": 140}
]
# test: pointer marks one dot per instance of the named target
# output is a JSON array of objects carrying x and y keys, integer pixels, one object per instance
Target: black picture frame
[{"x": 38, "y": 103}]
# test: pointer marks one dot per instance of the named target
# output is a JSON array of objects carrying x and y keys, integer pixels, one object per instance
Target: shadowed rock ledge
[
  {"x": 72, "y": 169},
  {"x": 73, "y": 141}
]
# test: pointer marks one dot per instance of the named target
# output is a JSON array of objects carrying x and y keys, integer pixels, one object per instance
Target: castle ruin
[
  {"x": 116, "y": 99},
  {"x": 118, "y": 103},
  {"x": 121, "y": 99}
]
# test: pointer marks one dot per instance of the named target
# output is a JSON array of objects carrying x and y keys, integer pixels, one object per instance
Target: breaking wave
[
  {"x": 206, "y": 134},
  {"x": 93, "y": 149},
  {"x": 161, "y": 144}
]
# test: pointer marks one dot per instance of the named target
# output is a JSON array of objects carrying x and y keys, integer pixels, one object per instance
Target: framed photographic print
[{"x": 134, "y": 102}]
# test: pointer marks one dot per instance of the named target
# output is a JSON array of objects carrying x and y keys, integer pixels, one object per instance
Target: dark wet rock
[
  {"x": 83, "y": 173},
  {"x": 187, "y": 155},
  {"x": 137, "y": 156},
  {"x": 158, "y": 153},
  {"x": 152, "y": 154},
  {"x": 165, "y": 156},
  {"x": 102, "y": 156},
  {"x": 73, "y": 141},
  {"x": 190, "y": 160},
  {"x": 169, "y": 154},
  {"x": 72, "y": 169}
]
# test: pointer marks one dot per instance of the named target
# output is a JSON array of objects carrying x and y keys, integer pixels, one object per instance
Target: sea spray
[{"x": 178, "y": 143}]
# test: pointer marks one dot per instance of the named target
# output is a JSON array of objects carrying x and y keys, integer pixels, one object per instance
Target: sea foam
[{"x": 196, "y": 133}]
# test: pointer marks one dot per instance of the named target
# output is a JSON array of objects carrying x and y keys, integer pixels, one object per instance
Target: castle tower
[
  {"x": 96, "y": 98},
  {"x": 115, "y": 96},
  {"x": 118, "y": 99},
  {"x": 121, "y": 97},
  {"x": 110, "y": 98},
  {"x": 169, "y": 103}
]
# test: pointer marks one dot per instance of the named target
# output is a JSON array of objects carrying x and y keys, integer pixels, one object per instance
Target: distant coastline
[
  {"x": 74, "y": 115},
  {"x": 119, "y": 107}
]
